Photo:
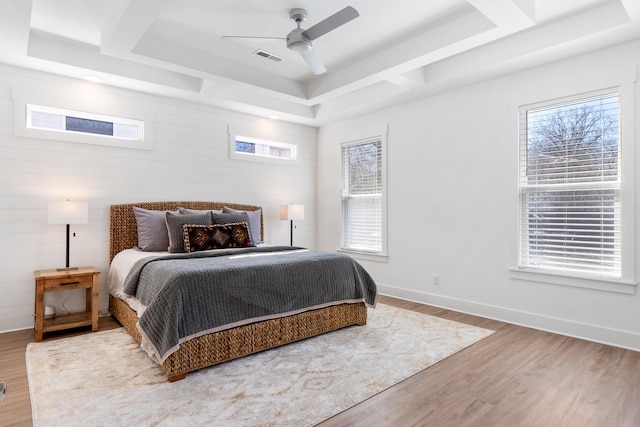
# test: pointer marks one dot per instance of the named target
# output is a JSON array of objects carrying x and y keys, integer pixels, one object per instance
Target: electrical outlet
[{"x": 436, "y": 280}]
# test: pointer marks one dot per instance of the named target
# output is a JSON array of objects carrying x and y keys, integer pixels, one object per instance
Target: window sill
[
  {"x": 609, "y": 285},
  {"x": 365, "y": 256}
]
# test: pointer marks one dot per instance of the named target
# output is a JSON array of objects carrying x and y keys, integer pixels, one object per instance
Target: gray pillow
[
  {"x": 234, "y": 217},
  {"x": 254, "y": 223},
  {"x": 152, "y": 230},
  {"x": 174, "y": 223},
  {"x": 196, "y": 211}
]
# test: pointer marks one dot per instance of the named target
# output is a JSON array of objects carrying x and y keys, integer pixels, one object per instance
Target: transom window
[
  {"x": 244, "y": 147},
  {"x": 61, "y": 120}
]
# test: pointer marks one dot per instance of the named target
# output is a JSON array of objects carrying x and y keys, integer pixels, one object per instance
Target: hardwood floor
[
  {"x": 15, "y": 409},
  {"x": 516, "y": 377}
]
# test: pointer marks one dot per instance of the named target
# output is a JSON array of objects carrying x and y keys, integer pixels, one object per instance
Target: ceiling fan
[{"x": 300, "y": 40}]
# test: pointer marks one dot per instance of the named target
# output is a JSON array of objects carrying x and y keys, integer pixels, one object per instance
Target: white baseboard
[{"x": 616, "y": 337}]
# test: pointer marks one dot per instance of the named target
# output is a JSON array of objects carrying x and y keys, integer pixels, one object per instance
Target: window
[
  {"x": 244, "y": 147},
  {"x": 61, "y": 120},
  {"x": 570, "y": 187},
  {"x": 84, "y": 114},
  {"x": 363, "y": 186}
]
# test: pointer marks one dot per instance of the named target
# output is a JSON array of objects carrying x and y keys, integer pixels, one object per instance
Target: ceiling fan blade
[
  {"x": 313, "y": 62},
  {"x": 331, "y": 23},
  {"x": 252, "y": 37}
]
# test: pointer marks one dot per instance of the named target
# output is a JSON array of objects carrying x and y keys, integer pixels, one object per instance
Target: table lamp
[
  {"x": 68, "y": 212},
  {"x": 291, "y": 212}
]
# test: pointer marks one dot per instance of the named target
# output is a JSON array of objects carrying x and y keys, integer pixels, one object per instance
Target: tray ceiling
[{"x": 392, "y": 53}]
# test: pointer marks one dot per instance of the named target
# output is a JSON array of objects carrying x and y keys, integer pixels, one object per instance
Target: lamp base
[
  {"x": 67, "y": 268},
  {"x": 291, "y": 235}
]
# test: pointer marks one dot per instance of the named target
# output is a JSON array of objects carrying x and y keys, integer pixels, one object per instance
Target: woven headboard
[{"x": 124, "y": 232}]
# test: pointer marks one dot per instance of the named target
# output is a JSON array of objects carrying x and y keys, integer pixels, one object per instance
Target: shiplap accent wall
[{"x": 189, "y": 161}]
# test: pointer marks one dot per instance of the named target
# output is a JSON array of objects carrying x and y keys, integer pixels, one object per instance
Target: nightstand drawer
[{"x": 73, "y": 282}]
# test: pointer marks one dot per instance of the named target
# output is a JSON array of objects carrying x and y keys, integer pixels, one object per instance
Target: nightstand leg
[
  {"x": 39, "y": 314},
  {"x": 87, "y": 300},
  {"x": 94, "y": 303}
]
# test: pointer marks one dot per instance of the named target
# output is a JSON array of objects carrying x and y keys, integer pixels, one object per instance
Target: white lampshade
[
  {"x": 291, "y": 212},
  {"x": 68, "y": 212}
]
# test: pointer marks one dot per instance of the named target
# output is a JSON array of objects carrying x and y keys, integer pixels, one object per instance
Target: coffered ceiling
[{"x": 395, "y": 51}]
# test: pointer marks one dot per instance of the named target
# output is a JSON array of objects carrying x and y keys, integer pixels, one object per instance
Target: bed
[{"x": 237, "y": 339}]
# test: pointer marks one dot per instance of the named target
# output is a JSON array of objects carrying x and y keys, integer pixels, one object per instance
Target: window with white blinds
[
  {"x": 362, "y": 196},
  {"x": 570, "y": 187}
]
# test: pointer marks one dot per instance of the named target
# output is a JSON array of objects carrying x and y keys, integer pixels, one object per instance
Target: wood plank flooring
[{"x": 516, "y": 377}]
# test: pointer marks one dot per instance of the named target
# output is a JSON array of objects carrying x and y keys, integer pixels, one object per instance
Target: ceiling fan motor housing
[
  {"x": 298, "y": 15},
  {"x": 297, "y": 41}
]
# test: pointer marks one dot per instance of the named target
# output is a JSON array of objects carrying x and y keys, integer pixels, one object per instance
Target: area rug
[{"x": 104, "y": 378}]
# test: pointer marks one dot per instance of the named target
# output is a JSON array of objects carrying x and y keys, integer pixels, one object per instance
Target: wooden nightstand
[{"x": 63, "y": 280}]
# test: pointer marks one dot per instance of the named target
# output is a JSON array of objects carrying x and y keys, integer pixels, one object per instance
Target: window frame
[
  {"x": 82, "y": 115},
  {"x": 371, "y": 255},
  {"x": 626, "y": 283},
  {"x": 80, "y": 98}
]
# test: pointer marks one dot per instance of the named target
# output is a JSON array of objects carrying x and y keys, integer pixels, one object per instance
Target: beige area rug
[{"x": 104, "y": 378}]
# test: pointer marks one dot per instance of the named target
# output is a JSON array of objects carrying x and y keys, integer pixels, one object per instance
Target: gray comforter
[{"x": 188, "y": 295}]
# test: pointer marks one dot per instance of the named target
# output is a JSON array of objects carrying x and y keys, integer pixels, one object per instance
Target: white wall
[
  {"x": 453, "y": 200},
  {"x": 189, "y": 161}
]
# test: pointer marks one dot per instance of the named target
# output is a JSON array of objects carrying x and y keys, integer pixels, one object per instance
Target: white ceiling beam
[
  {"x": 409, "y": 80},
  {"x": 492, "y": 19},
  {"x": 507, "y": 13},
  {"x": 458, "y": 35},
  {"x": 15, "y": 24},
  {"x": 89, "y": 57},
  {"x": 524, "y": 50},
  {"x": 550, "y": 41},
  {"x": 633, "y": 10},
  {"x": 127, "y": 26},
  {"x": 236, "y": 96},
  {"x": 356, "y": 101}
]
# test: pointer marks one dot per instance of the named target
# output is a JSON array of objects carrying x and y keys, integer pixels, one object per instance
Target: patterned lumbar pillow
[{"x": 217, "y": 236}]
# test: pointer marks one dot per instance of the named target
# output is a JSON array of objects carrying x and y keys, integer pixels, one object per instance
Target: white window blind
[
  {"x": 362, "y": 196},
  {"x": 570, "y": 186}
]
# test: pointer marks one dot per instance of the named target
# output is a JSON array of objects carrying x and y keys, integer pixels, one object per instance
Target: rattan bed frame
[{"x": 222, "y": 346}]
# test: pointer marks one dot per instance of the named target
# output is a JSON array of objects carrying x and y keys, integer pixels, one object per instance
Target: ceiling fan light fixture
[
  {"x": 298, "y": 42},
  {"x": 299, "y": 46}
]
